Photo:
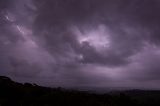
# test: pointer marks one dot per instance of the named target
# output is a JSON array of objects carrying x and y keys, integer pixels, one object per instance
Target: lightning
[{"x": 24, "y": 33}]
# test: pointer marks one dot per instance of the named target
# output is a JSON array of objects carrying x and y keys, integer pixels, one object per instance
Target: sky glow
[{"x": 81, "y": 43}]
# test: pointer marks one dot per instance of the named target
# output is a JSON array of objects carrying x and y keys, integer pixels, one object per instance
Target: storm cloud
[{"x": 81, "y": 43}]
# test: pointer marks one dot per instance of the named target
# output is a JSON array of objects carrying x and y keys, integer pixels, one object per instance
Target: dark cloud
[
  {"x": 84, "y": 43},
  {"x": 4, "y": 4}
]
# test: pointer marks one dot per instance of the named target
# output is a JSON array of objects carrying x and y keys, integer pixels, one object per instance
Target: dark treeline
[{"x": 17, "y": 94}]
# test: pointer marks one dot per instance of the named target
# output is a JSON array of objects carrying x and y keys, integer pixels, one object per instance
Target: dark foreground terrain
[{"x": 17, "y": 94}]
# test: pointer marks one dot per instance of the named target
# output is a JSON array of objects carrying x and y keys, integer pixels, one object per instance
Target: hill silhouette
[{"x": 18, "y": 94}]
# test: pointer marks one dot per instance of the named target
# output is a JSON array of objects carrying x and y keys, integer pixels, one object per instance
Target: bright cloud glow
[{"x": 97, "y": 38}]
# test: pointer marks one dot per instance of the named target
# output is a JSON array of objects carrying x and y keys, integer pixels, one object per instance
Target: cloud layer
[{"x": 84, "y": 43}]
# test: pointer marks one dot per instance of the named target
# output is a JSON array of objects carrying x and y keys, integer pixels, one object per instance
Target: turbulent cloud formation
[{"x": 81, "y": 43}]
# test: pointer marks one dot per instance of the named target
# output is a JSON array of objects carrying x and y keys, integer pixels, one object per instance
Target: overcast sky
[{"x": 81, "y": 43}]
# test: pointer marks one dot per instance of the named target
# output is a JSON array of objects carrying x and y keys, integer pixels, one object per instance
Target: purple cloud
[{"x": 81, "y": 44}]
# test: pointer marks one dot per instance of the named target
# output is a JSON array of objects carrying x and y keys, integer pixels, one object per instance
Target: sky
[{"x": 81, "y": 43}]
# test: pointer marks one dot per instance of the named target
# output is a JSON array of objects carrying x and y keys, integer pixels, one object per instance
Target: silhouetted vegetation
[{"x": 17, "y": 94}]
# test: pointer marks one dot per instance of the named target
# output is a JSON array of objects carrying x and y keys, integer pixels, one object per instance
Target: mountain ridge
[{"x": 17, "y": 94}]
